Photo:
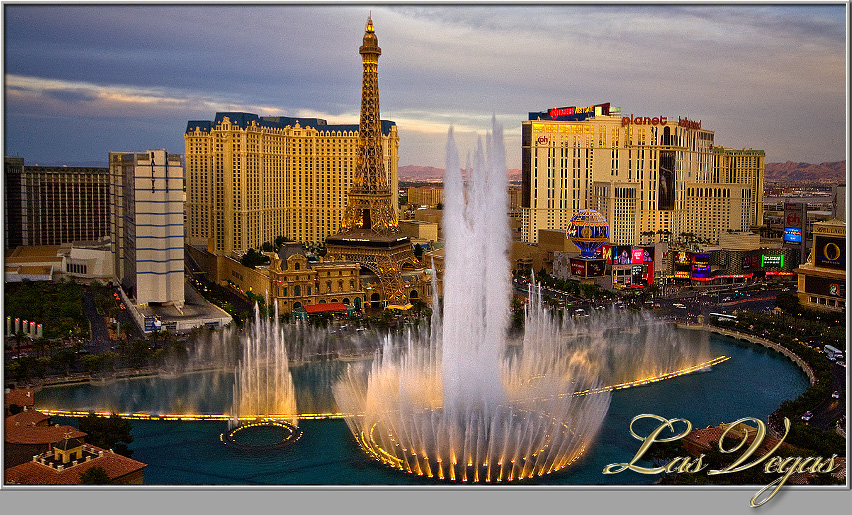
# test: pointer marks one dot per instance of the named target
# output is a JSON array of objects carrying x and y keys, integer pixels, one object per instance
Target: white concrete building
[{"x": 146, "y": 192}]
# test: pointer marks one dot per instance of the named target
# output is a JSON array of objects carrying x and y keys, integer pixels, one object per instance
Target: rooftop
[
  {"x": 27, "y": 418},
  {"x": 44, "y": 471},
  {"x": 244, "y": 120},
  {"x": 20, "y": 396},
  {"x": 21, "y": 434}
]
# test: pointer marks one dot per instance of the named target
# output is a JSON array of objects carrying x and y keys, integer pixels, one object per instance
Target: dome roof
[{"x": 67, "y": 444}]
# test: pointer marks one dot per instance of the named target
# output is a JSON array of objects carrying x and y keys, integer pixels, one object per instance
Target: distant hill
[
  {"x": 421, "y": 173},
  {"x": 415, "y": 173},
  {"x": 823, "y": 173}
]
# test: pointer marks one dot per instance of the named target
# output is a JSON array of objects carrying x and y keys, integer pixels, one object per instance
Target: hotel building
[
  {"x": 52, "y": 205},
  {"x": 426, "y": 196},
  {"x": 652, "y": 177},
  {"x": 146, "y": 194},
  {"x": 822, "y": 278},
  {"x": 251, "y": 179}
]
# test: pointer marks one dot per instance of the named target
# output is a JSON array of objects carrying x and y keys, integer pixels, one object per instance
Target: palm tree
[
  {"x": 40, "y": 344},
  {"x": 19, "y": 339}
]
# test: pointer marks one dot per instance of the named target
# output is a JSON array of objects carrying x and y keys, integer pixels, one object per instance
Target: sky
[{"x": 85, "y": 80}]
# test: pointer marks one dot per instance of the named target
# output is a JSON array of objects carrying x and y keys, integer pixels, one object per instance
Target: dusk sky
[{"x": 81, "y": 81}]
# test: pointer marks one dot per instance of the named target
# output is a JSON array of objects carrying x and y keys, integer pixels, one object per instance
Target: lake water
[{"x": 753, "y": 383}]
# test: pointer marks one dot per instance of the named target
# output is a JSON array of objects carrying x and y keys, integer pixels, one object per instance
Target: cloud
[
  {"x": 83, "y": 98},
  {"x": 742, "y": 68}
]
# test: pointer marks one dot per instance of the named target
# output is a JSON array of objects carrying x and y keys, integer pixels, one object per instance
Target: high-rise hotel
[
  {"x": 652, "y": 177},
  {"x": 146, "y": 226},
  {"x": 251, "y": 179},
  {"x": 51, "y": 205}
]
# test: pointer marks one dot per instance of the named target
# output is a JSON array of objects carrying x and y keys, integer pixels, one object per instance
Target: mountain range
[
  {"x": 822, "y": 173},
  {"x": 414, "y": 173}
]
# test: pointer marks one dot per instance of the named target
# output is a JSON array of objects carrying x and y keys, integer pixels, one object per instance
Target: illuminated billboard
[
  {"x": 750, "y": 261},
  {"x": 824, "y": 286},
  {"x": 622, "y": 255},
  {"x": 830, "y": 252},
  {"x": 701, "y": 267},
  {"x": 637, "y": 255},
  {"x": 605, "y": 253},
  {"x": 649, "y": 273},
  {"x": 772, "y": 260},
  {"x": 792, "y": 235},
  {"x": 666, "y": 185},
  {"x": 574, "y": 113},
  {"x": 578, "y": 267},
  {"x": 595, "y": 268},
  {"x": 588, "y": 267}
]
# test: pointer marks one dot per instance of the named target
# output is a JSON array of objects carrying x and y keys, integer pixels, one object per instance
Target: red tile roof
[
  {"x": 27, "y": 434},
  {"x": 324, "y": 308},
  {"x": 19, "y": 396},
  {"x": 32, "y": 473},
  {"x": 28, "y": 417}
]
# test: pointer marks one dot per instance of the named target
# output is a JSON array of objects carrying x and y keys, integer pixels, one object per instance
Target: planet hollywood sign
[{"x": 659, "y": 120}]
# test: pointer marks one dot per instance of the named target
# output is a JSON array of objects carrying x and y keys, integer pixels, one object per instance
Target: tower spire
[
  {"x": 370, "y": 206},
  {"x": 369, "y": 232}
]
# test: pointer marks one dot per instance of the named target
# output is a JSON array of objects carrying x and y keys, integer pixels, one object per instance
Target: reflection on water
[
  {"x": 205, "y": 392},
  {"x": 753, "y": 383}
]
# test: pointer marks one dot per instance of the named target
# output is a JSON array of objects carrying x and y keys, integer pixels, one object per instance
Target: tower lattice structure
[
  {"x": 369, "y": 233},
  {"x": 370, "y": 204}
]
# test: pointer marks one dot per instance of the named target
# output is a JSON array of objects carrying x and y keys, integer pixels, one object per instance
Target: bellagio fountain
[{"x": 467, "y": 403}]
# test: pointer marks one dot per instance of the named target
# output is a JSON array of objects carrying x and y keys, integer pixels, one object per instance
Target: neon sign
[
  {"x": 689, "y": 124},
  {"x": 598, "y": 109},
  {"x": 638, "y": 255},
  {"x": 769, "y": 260},
  {"x": 643, "y": 120},
  {"x": 561, "y": 111},
  {"x": 793, "y": 234}
]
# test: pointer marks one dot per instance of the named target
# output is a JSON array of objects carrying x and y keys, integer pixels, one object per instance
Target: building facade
[
  {"x": 146, "y": 192},
  {"x": 644, "y": 174},
  {"x": 251, "y": 179},
  {"x": 51, "y": 205},
  {"x": 746, "y": 167},
  {"x": 426, "y": 196},
  {"x": 822, "y": 279}
]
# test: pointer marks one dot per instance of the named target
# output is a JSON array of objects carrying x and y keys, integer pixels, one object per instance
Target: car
[
  {"x": 842, "y": 364},
  {"x": 807, "y": 416},
  {"x": 678, "y": 305},
  {"x": 835, "y": 394}
]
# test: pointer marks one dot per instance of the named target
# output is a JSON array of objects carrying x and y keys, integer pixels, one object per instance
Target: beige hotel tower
[
  {"x": 251, "y": 179},
  {"x": 652, "y": 177}
]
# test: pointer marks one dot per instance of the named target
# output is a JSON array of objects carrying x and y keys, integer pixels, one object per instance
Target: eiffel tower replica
[{"x": 369, "y": 233}]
